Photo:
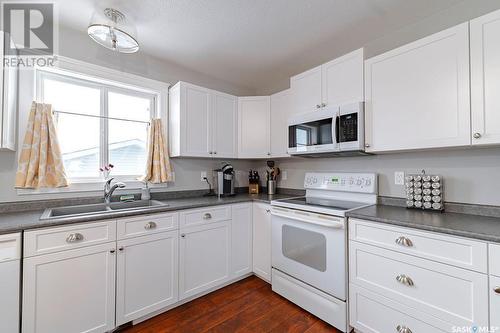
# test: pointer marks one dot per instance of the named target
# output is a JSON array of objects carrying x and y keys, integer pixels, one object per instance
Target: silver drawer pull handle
[
  {"x": 406, "y": 280},
  {"x": 73, "y": 238},
  {"x": 497, "y": 290},
  {"x": 207, "y": 216},
  {"x": 404, "y": 241},
  {"x": 403, "y": 329},
  {"x": 150, "y": 225}
]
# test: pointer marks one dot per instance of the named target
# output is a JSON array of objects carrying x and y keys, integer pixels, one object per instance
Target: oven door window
[
  {"x": 348, "y": 127},
  {"x": 310, "y": 134},
  {"x": 304, "y": 246}
]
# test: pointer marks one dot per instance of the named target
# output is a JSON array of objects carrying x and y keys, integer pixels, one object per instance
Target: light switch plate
[
  {"x": 284, "y": 175},
  {"x": 399, "y": 178}
]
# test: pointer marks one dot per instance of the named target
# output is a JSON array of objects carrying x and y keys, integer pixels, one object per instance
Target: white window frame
[
  {"x": 104, "y": 89},
  {"x": 113, "y": 80}
]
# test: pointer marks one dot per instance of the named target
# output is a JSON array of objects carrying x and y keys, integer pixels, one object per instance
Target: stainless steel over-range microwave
[{"x": 337, "y": 130}]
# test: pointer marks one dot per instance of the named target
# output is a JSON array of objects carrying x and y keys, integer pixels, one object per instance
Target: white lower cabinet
[
  {"x": 146, "y": 280},
  {"x": 412, "y": 286},
  {"x": 70, "y": 291},
  {"x": 204, "y": 260},
  {"x": 262, "y": 240},
  {"x": 241, "y": 239},
  {"x": 10, "y": 266}
]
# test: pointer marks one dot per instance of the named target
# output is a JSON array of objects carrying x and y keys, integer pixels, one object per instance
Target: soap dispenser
[{"x": 145, "y": 194}]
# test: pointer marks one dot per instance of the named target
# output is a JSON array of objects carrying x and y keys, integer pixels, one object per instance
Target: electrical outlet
[
  {"x": 399, "y": 178},
  {"x": 284, "y": 175},
  {"x": 203, "y": 176}
]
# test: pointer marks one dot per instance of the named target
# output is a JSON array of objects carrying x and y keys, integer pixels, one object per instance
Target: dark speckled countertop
[
  {"x": 465, "y": 225},
  {"x": 20, "y": 221}
]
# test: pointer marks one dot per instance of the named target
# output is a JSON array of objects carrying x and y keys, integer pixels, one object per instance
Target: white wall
[{"x": 471, "y": 175}]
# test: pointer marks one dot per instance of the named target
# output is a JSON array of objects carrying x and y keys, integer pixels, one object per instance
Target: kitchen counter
[
  {"x": 465, "y": 225},
  {"x": 20, "y": 221}
]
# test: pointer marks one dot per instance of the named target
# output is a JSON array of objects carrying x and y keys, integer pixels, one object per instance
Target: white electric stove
[{"x": 309, "y": 242}]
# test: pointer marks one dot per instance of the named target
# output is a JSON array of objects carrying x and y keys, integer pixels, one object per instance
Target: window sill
[{"x": 80, "y": 186}]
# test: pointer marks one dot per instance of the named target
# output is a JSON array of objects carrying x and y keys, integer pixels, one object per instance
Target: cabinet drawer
[
  {"x": 494, "y": 256},
  {"x": 10, "y": 247},
  {"x": 460, "y": 252},
  {"x": 49, "y": 240},
  {"x": 146, "y": 224},
  {"x": 494, "y": 303},
  {"x": 204, "y": 215},
  {"x": 452, "y": 294},
  {"x": 373, "y": 313}
]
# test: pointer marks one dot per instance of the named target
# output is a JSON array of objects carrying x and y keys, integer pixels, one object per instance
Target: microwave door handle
[{"x": 336, "y": 130}]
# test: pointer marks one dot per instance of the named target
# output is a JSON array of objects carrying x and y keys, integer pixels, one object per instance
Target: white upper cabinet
[
  {"x": 224, "y": 125},
  {"x": 8, "y": 103},
  {"x": 337, "y": 82},
  {"x": 417, "y": 96},
  {"x": 280, "y": 112},
  {"x": 202, "y": 122},
  {"x": 306, "y": 90},
  {"x": 254, "y": 127},
  {"x": 485, "y": 78},
  {"x": 343, "y": 79}
]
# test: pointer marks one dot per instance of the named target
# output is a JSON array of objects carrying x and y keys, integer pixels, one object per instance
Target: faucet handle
[{"x": 108, "y": 182}]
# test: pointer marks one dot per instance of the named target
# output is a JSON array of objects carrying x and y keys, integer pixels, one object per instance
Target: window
[{"x": 98, "y": 123}]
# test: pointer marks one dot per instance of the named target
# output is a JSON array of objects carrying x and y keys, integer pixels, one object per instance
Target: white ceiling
[{"x": 251, "y": 43}]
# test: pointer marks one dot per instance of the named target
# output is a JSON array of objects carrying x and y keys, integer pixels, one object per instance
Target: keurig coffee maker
[{"x": 224, "y": 178}]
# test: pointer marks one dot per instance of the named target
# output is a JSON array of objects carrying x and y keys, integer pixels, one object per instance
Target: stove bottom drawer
[
  {"x": 320, "y": 304},
  {"x": 374, "y": 313}
]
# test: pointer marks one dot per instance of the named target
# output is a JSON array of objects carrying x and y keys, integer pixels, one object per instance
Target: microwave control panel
[{"x": 345, "y": 182}]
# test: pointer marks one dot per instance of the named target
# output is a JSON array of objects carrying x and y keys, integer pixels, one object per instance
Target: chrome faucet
[{"x": 108, "y": 189}]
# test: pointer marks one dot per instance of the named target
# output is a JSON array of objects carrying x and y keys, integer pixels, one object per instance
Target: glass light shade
[{"x": 112, "y": 30}]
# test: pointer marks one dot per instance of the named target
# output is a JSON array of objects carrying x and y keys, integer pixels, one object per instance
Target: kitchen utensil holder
[
  {"x": 424, "y": 191},
  {"x": 271, "y": 187}
]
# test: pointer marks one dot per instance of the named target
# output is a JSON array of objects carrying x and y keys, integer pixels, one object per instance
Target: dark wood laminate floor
[{"x": 248, "y": 305}]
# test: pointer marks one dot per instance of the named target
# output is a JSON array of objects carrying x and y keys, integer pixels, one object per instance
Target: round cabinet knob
[
  {"x": 215, "y": 153},
  {"x": 497, "y": 290},
  {"x": 367, "y": 145},
  {"x": 268, "y": 154},
  {"x": 183, "y": 235},
  {"x": 477, "y": 135},
  {"x": 112, "y": 251},
  {"x": 207, "y": 216},
  {"x": 323, "y": 105},
  {"x": 121, "y": 248},
  {"x": 210, "y": 152},
  {"x": 150, "y": 225},
  {"x": 318, "y": 106}
]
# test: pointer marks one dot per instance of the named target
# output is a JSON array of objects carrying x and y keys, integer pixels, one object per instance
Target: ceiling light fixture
[{"x": 112, "y": 30}]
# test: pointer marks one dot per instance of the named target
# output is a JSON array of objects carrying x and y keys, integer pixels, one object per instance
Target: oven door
[
  {"x": 314, "y": 132},
  {"x": 351, "y": 127},
  {"x": 310, "y": 247}
]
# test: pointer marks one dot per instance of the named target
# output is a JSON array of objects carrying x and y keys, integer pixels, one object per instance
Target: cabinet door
[
  {"x": 280, "y": 113},
  {"x": 70, "y": 291},
  {"x": 253, "y": 126},
  {"x": 306, "y": 91},
  {"x": 485, "y": 78},
  {"x": 204, "y": 258},
  {"x": 343, "y": 79},
  {"x": 147, "y": 269},
  {"x": 494, "y": 302},
  {"x": 417, "y": 96},
  {"x": 241, "y": 239},
  {"x": 262, "y": 240},
  {"x": 195, "y": 120},
  {"x": 9, "y": 300},
  {"x": 224, "y": 125}
]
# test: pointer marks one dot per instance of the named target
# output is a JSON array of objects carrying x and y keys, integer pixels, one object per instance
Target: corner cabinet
[
  {"x": 202, "y": 122},
  {"x": 241, "y": 239},
  {"x": 417, "y": 96},
  {"x": 337, "y": 82},
  {"x": 485, "y": 78},
  {"x": 254, "y": 134}
]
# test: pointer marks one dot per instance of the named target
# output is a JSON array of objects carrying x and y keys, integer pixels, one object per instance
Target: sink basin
[{"x": 96, "y": 209}]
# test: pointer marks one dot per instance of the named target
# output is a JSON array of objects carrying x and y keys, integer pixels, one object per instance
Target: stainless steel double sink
[{"x": 97, "y": 209}]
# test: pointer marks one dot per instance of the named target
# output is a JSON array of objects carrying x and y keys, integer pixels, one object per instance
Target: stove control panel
[{"x": 346, "y": 182}]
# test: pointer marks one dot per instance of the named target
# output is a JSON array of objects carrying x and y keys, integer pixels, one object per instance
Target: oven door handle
[{"x": 318, "y": 219}]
